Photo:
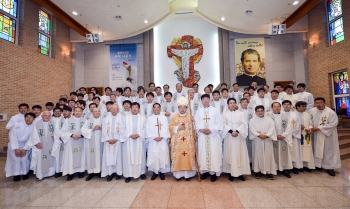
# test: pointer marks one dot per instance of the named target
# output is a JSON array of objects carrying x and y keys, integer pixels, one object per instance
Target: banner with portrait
[
  {"x": 123, "y": 65},
  {"x": 250, "y": 61}
]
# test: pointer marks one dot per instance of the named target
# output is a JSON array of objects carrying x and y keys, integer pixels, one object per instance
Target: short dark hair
[
  {"x": 23, "y": 105},
  {"x": 224, "y": 89},
  {"x": 140, "y": 89},
  {"x": 206, "y": 87},
  {"x": 127, "y": 101},
  {"x": 300, "y": 103},
  {"x": 109, "y": 102},
  {"x": 67, "y": 108},
  {"x": 96, "y": 90},
  {"x": 37, "y": 107},
  {"x": 71, "y": 100},
  {"x": 260, "y": 89},
  {"x": 31, "y": 114},
  {"x": 73, "y": 93},
  {"x": 82, "y": 88},
  {"x": 63, "y": 99},
  {"x": 168, "y": 93},
  {"x": 259, "y": 107},
  {"x": 286, "y": 101},
  {"x": 166, "y": 85},
  {"x": 92, "y": 104},
  {"x": 246, "y": 93},
  {"x": 135, "y": 104},
  {"x": 243, "y": 99},
  {"x": 150, "y": 94},
  {"x": 82, "y": 102},
  {"x": 288, "y": 87},
  {"x": 93, "y": 94},
  {"x": 49, "y": 104},
  {"x": 127, "y": 88},
  {"x": 301, "y": 85},
  {"x": 231, "y": 99},
  {"x": 250, "y": 51},
  {"x": 151, "y": 84},
  {"x": 57, "y": 108},
  {"x": 156, "y": 104},
  {"x": 120, "y": 90},
  {"x": 195, "y": 84},
  {"x": 274, "y": 91},
  {"x": 215, "y": 92},
  {"x": 235, "y": 84},
  {"x": 210, "y": 85},
  {"x": 223, "y": 84},
  {"x": 108, "y": 88},
  {"x": 277, "y": 84},
  {"x": 80, "y": 95},
  {"x": 205, "y": 96},
  {"x": 320, "y": 98},
  {"x": 99, "y": 99},
  {"x": 266, "y": 86},
  {"x": 274, "y": 103},
  {"x": 251, "y": 87},
  {"x": 158, "y": 87}
]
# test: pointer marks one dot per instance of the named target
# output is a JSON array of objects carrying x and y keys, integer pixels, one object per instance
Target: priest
[
  {"x": 112, "y": 146},
  {"x": 41, "y": 141},
  {"x": 183, "y": 144},
  {"x": 134, "y": 148},
  {"x": 18, "y": 153},
  {"x": 326, "y": 146},
  {"x": 235, "y": 132},
  {"x": 208, "y": 125},
  {"x": 23, "y": 109},
  {"x": 91, "y": 131},
  {"x": 74, "y": 151},
  {"x": 158, "y": 138},
  {"x": 283, "y": 146},
  {"x": 263, "y": 134},
  {"x": 168, "y": 107}
]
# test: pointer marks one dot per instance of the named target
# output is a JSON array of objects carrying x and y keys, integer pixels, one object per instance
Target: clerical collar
[
  {"x": 249, "y": 75},
  {"x": 276, "y": 113}
]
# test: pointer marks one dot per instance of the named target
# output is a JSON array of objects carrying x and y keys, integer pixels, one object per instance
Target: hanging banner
[
  {"x": 123, "y": 65},
  {"x": 250, "y": 61}
]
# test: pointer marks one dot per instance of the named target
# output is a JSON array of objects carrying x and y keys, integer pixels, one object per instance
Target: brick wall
[
  {"x": 28, "y": 76},
  {"x": 324, "y": 59}
]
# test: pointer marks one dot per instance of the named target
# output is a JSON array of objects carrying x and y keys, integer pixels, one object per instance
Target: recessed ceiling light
[
  {"x": 75, "y": 13},
  {"x": 295, "y": 3},
  {"x": 118, "y": 17},
  {"x": 248, "y": 12},
  {"x": 223, "y": 18},
  {"x": 146, "y": 21}
]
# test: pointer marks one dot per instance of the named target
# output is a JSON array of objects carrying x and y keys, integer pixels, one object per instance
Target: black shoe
[
  {"x": 110, "y": 177},
  {"x": 154, "y": 176},
  {"x": 179, "y": 179},
  {"x": 31, "y": 172},
  {"x": 188, "y": 179},
  {"x": 301, "y": 170},
  {"x": 241, "y": 178},
  {"x": 143, "y": 177},
  {"x": 269, "y": 176},
  {"x": 98, "y": 175},
  {"x": 230, "y": 178},
  {"x": 213, "y": 178},
  {"x": 117, "y": 177},
  {"x": 57, "y": 175},
  {"x": 25, "y": 177},
  {"x": 286, "y": 173},
  {"x": 127, "y": 180},
  {"x": 90, "y": 176},
  {"x": 16, "y": 178},
  {"x": 331, "y": 172},
  {"x": 205, "y": 176},
  {"x": 161, "y": 176},
  {"x": 295, "y": 171},
  {"x": 318, "y": 169},
  {"x": 307, "y": 169},
  {"x": 70, "y": 177},
  {"x": 81, "y": 175},
  {"x": 258, "y": 175}
]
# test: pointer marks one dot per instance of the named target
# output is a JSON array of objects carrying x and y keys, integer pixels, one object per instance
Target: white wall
[{"x": 164, "y": 67}]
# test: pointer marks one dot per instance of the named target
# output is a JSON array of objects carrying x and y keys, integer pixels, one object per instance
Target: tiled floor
[{"x": 307, "y": 190}]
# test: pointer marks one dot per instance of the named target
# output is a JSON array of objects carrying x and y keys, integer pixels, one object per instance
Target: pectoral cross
[
  {"x": 293, "y": 122},
  {"x": 183, "y": 139},
  {"x": 159, "y": 127},
  {"x": 206, "y": 118},
  {"x": 184, "y": 153}
]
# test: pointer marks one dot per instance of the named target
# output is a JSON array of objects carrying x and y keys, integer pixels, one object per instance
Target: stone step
[
  {"x": 343, "y": 136},
  {"x": 344, "y": 152},
  {"x": 344, "y": 143},
  {"x": 343, "y": 130}
]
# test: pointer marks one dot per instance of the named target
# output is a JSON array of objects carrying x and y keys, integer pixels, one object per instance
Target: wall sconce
[
  {"x": 313, "y": 40},
  {"x": 65, "y": 51}
]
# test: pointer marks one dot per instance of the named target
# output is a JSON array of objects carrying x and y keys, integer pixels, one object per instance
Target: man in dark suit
[{"x": 250, "y": 59}]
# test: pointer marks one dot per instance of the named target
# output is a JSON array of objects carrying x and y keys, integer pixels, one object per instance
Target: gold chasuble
[{"x": 182, "y": 144}]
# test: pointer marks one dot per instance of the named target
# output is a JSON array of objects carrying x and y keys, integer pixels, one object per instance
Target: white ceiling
[{"x": 99, "y": 15}]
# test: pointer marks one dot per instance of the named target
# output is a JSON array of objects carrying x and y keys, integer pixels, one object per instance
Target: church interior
[{"x": 197, "y": 50}]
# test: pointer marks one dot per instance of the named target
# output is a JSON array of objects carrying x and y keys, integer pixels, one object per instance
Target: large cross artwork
[{"x": 186, "y": 51}]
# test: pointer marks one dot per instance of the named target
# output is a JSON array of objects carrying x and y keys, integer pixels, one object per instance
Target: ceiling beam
[
  {"x": 305, "y": 8},
  {"x": 62, "y": 15}
]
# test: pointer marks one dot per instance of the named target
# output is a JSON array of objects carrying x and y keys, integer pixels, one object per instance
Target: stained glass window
[
  {"x": 335, "y": 21},
  {"x": 9, "y": 6},
  {"x": 44, "y": 22},
  {"x": 44, "y": 45},
  {"x": 341, "y": 93},
  {"x": 7, "y": 28}
]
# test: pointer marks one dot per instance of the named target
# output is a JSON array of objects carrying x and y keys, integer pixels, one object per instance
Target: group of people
[{"x": 185, "y": 132}]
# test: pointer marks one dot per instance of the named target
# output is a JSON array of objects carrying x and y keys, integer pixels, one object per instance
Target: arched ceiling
[{"x": 100, "y": 15}]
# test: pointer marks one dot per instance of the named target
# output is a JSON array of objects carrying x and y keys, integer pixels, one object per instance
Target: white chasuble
[
  {"x": 58, "y": 146},
  {"x": 74, "y": 150},
  {"x": 134, "y": 150},
  {"x": 158, "y": 152},
  {"x": 263, "y": 156},
  {"x": 43, "y": 163},
  {"x": 326, "y": 146},
  {"x": 236, "y": 159},
  {"x": 93, "y": 146},
  {"x": 209, "y": 146}
]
